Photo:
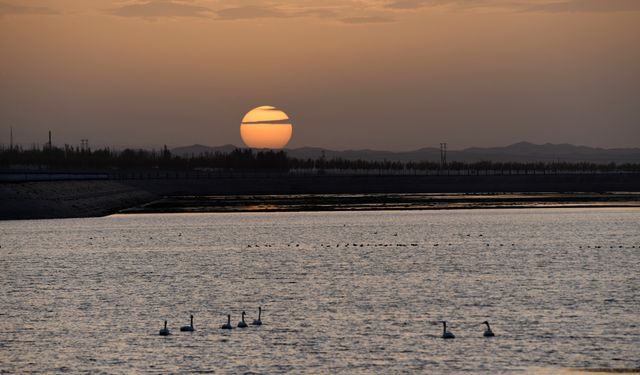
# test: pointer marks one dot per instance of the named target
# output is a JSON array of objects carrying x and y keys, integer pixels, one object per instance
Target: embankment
[
  {"x": 66, "y": 199},
  {"x": 63, "y": 199}
]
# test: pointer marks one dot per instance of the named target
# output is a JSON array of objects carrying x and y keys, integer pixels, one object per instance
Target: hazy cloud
[
  {"x": 367, "y": 19},
  {"x": 160, "y": 8},
  {"x": 524, "y": 5},
  {"x": 589, "y": 6},
  {"x": 10, "y": 9},
  {"x": 406, "y": 4},
  {"x": 321, "y": 13},
  {"x": 250, "y": 12},
  {"x": 416, "y": 4},
  {"x": 268, "y": 122}
]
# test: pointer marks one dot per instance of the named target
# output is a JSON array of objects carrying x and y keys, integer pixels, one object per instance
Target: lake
[{"x": 341, "y": 292}]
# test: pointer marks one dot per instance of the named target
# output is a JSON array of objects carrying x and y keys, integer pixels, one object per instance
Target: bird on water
[
  {"x": 488, "y": 332},
  {"x": 228, "y": 324},
  {"x": 242, "y": 324},
  {"x": 446, "y": 334},
  {"x": 188, "y": 328},
  {"x": 165, "y": 331},
  {"x": 258, "y": 322}
]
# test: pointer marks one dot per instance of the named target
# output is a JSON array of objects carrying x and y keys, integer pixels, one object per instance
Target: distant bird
[
  {"x": 258, "y": 322},
  {"x": 488, "y": 332},
  {"x": 446, "y": 334},
  {"x": 165, "y": 331},
  {"x": 242, "y": 324},
  {"x": 228, "y": 324},
  {"x": 188, "y": 328}
]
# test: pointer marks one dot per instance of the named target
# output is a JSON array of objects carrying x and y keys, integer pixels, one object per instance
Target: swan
[
  {"x": 228, "y": 324},
  {"x": 488, "y": 332},
  {"x": 165, "y": 331},
  {"x": 446, "y": 334},
  {"x": 242, "y": 324},
  {"x": 188, "y": 328},
  {"x": 258, "y": 322}
]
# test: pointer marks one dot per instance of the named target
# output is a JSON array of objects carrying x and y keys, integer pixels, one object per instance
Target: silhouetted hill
[
  {"x": 517, "y": 152},
  {"x": 197, "y": 149}
]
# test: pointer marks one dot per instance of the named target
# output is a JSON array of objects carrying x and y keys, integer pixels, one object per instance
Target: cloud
[
  {"x": 406, "y": 4},
  {"x": 159, "y": 9},
  {"x": 7, "y": 9},
  {"x": 455, "y": 4},
  {"x": 367, "y": 19},
  {"x": 250, "y": 12},
  {"x": 588, "y": 6},
  {"x": 268, "y": 122},
  {"x": 321, "y": 13},
  {"x": 551, "y": 6}
]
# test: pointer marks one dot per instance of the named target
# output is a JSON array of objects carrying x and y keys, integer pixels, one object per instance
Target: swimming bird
[
  {"x": 258, "y": 322},
  {"x": 228, "y": 324},
  {"x": 188, "y": 328},
  {"x": 165, "y": 331},
  {"x": 242, "y": 324},
  {"x": 446, "y": 334},
  {"x": 488, "y": 332}
]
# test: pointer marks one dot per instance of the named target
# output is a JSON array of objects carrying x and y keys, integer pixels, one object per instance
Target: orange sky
[{"x": 382, "y": 74}]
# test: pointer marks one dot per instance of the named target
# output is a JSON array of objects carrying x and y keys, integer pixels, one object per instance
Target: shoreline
[
  {"x": 381, "y": 202},
  {"x": 286, "y": 193}
]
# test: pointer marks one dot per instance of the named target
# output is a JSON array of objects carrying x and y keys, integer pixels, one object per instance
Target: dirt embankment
[{"x": 65, "y": 199}]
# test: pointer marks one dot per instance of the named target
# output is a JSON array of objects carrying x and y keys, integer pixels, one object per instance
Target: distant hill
[
  {"x": 197, "y": 150},
  {"x": 517, "y": 152}
]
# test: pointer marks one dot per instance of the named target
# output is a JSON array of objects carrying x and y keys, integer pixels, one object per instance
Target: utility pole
[
  {"x": 11, "y": 138},
  {"x": 49, "y": 139},
  {"x": 443, "y": 154}
]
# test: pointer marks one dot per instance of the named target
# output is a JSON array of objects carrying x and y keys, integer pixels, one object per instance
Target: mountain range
[{"x": 517, "y": 152}]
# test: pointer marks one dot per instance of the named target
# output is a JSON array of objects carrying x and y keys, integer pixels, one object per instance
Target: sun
[{"x": 266, "y": 127}]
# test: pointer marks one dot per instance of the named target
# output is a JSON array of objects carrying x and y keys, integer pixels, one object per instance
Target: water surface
[{"x": 560, "y": 286}]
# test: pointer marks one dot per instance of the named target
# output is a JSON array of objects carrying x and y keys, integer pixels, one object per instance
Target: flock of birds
[
  {"x": 190, "y": 328},
  {"x": 165, "y": 331},
  {"x": 446, "y": 334}
]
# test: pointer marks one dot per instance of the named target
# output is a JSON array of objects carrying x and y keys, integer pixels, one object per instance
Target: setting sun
[{"x": 266, "y": 127}]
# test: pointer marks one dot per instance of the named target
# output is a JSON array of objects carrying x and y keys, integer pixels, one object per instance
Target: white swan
[
  {"x": 165, "y": 331},
  {"x": 446, "y": 334},
  {"x": 188, "y": 328},
  {"x": 488, "y": 332},
  {"x": 228, "y": 324},
  {"x": 242, "y": 324},
  {"x": 258, "y": 322}
]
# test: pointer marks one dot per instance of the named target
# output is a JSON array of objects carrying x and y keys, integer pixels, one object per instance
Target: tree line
[{"x": 75, "y": 158}]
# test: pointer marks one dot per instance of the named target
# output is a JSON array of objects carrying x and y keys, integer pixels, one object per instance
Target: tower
[{"x": 443, "y": 154}]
